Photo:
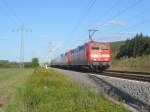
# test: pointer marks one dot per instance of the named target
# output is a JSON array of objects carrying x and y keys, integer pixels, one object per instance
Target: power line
[
  {"x": 8, "y": 16},
  {"x": 12, "y": 11},
  {"x": 139, "y": 23},
  {"x": 22, "y": 31},
  {"x": 84, "y": 16},
  {"x": 110, "y": 9},
  {"x": 135, "y": 25},
  {"x": 127, "y": 8},
  {"x": 122, "y": 11}
]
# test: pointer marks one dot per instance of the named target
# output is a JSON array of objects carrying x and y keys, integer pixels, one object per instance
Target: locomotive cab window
[
  {"x": 101, "y": 47},
  {"x": 95, "y": 47},
  {"x": 104, "y": 47}
]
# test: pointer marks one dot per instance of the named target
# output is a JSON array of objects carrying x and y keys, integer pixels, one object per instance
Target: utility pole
[
  {"x": 53, "y": 46},
  {"x": 22, "y": 31},
  {"x": 91, "y": 33}
]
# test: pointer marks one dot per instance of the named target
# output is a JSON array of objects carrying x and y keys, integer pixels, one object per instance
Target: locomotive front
[{"x": 99, "y": 55}]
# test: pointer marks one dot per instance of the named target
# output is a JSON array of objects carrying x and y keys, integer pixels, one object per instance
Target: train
[{"x": 93, "y": 55}]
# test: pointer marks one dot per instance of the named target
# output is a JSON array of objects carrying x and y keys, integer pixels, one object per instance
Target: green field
[
  {"x": 11, "y": 80},
  {"x": 48, "y": 91}
]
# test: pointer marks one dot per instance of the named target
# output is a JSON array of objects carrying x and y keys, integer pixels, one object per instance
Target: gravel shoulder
[
  {"x": 137, "y": 89},
  {"x": 134, "y": 93},
  {"x": 80, "y": 78}
]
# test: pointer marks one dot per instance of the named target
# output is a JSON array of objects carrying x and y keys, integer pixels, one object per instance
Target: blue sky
[{"x": 65, "y": 24}]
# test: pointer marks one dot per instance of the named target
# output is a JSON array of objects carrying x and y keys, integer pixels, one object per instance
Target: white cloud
[
  {"x": 124, "y": 33},
  {"x": 118, "y": 35},
  {"x": 114, "y": 22}
]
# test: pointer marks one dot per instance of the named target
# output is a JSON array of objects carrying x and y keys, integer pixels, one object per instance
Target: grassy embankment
[
  {"x": 11, "y": 82},
  {"x": 138, "y": 64},
  {"x": 48, "y": 91}
]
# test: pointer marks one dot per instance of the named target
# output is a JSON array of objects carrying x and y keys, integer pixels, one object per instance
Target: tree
[
  {"x": 137, "y": 46},
  {"x": 35, "y": 62}
]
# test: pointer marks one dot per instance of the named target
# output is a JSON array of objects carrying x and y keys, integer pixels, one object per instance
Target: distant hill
[{"x": 116, "y": 46}]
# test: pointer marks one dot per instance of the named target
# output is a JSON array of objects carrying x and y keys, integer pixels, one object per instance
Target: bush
[
  {"x": 7, "y": 64},
  {"x": 35, "y": 62}
]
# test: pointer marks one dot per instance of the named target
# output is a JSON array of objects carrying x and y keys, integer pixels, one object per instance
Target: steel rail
[
  {"x": 127, "y": 75},
  {"x": 116, "y": 71}
]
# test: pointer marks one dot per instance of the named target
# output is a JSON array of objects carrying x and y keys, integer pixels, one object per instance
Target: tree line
[
  {"x": 137, "y": 46},
  {"x": 7, "y": 64}
]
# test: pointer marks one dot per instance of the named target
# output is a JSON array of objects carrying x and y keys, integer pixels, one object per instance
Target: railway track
[
  {"x": 139, "y": 76},
  {"x": 128, "y": 75}
]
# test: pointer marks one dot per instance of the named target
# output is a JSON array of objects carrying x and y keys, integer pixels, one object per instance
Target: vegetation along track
[{"x": 128, "y": 75}]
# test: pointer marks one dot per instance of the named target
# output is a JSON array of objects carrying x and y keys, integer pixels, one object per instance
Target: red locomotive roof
[{"x": 72, "y": 50}]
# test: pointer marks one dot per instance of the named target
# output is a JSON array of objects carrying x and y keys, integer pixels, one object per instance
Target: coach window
[{"x": 81, "y": 48}]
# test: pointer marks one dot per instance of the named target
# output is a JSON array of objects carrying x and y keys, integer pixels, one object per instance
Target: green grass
[
  {"x": 7, "y": 73},
  {"x": 11, "y": 82},
  {"x": 138, "y": 64},
  {"x": 49, "y": 91}
]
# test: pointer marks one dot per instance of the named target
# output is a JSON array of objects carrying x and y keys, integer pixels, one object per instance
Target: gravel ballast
[
  {"x": 134, "y": 93},
  {"x": 137, "y": 89}
]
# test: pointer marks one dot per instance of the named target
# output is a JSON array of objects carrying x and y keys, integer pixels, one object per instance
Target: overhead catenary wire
[
  {"x": 127, "y": 8},
  {"x": 9, "y": 18},
  {"x": 22, "y": 30},
  {"x": 137, "y": 24},
  {"x": 84, "y": 15},
  {"x": 133, "y": 5},
  {"x": 10, "y": 9},
  {"x": 142, "y": 22},
  {"x": 109, "y": 9},
  {"x": 122, "y": 11}
]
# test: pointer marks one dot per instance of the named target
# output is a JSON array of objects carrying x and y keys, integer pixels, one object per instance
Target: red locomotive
[{"x": 93, "y": 55}]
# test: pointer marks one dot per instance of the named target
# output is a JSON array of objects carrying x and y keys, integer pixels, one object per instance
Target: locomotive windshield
[
  {"x": 101, "y": 47},
  {"x": 95, "y": 47}
]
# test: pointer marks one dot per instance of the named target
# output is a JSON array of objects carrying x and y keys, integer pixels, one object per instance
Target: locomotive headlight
[
  {"x": 106, "y": 55},
  {"x": 94, "y": 55}
]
